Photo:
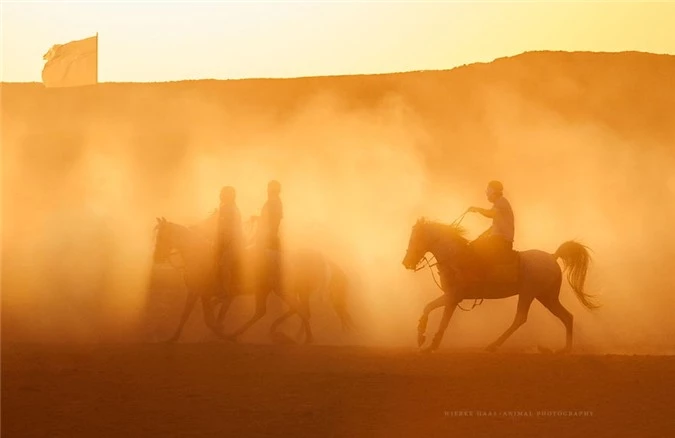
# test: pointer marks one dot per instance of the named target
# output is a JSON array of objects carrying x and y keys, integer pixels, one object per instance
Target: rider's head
[
  {"x": 494, "y": 191},
  {"x": 227, "y": 195},
  {"x": 273, "y": 188}
]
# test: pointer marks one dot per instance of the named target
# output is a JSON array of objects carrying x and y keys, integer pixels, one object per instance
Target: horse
[
  {"x": 538, "y": 277},
  {"x": 199, "y": 271},
  {"x": 308, "y": 273}
]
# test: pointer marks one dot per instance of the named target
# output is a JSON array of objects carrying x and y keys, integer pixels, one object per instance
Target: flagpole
[{"x": 96, "y": 57}]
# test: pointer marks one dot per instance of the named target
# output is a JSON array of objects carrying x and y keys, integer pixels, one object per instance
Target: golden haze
[{"x": 86, "y": 171}]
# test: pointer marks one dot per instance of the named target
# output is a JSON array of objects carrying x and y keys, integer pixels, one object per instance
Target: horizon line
[{"x": 369, "y": 74}]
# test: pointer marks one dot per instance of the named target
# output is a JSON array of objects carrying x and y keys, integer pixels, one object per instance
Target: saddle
[{"x": 505, "y": 270}]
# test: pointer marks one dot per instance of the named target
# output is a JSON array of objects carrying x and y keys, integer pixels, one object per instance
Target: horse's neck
[
  {"x": 438, "y": 251},
  {"x": 446, "y": 253},
  {"x": 189, "y": 246},
  {"x": 250, "y": 230}
]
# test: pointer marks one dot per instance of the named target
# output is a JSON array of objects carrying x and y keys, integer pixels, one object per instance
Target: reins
[
  {"x": 425, "y": 262},
  {"x": 476, "y": 302},
  {"x": 173, "y": 265},
  {"x": 459, "y": 219}
]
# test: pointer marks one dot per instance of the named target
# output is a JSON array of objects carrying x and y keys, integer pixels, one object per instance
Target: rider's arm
[
  {"x": 486, "y": 233},
  {"x": 485, "y": 212}
]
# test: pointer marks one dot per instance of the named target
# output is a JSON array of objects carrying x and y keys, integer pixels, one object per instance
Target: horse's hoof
[
  {"x": 421, "y": 339},
  {"x": 430, "y": 349},
  {"x": 544, "y": 350},
  {"x": 171, "y": 340},
  {"x": 281, "y": 338},
  {"x": 231, "y": 338},
  {"x": 491, "y": 348},
  {"x": 565, "y": 350}
]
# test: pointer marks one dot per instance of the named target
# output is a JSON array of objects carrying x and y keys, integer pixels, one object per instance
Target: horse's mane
[
  {"x": 449, "y": 231},
  {"x": 197, "y": 235}
]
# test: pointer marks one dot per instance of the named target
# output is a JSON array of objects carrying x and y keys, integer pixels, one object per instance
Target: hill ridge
[{"x": 392, "y": 73}]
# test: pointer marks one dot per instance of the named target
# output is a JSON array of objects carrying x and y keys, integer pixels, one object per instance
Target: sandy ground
[{"x": 217, "y": 389}]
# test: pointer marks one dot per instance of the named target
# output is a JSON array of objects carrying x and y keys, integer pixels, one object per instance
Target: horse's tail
[
  {"x": 576, "y": 258},
  {"x": 338, "y": 287}
]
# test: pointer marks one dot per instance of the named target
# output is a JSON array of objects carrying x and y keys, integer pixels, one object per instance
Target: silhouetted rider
[
  {"x": 496, "y": 243},
  {"x": 229, "y": 239},
  {"x": 267, "y": 239},
  {"x": 270, "y": 217}
]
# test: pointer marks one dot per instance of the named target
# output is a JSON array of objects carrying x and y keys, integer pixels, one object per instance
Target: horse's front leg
[
  {"x": 189, "y": 305},
  {"x": 260, "y": 311},
  {"x": 450, "y": 305},
  {"x": 224, "y": 307},
  {"x": 424, "y": 319},
  {"x": 210, "y": 317},
  {"x": 296, "y": 307}
]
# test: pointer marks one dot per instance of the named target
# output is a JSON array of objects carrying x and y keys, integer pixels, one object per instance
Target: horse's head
[
  {"x": 418, "y": 244},
  {"x": 164, "y": 241},
  {"x": 424, "y": 236}
]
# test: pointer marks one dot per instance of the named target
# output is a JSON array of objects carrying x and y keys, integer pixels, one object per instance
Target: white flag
[{"x": 72, "y": 64}]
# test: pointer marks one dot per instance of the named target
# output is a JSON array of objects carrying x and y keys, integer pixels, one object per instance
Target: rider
[
  {"x": 267, "y": 235},
  {"x": 229, "y": 239},
  {"x": 271, "y": 215},
  {"x": 496, "y": 243}
]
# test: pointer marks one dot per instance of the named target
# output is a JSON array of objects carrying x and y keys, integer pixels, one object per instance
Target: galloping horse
[
  {"x": 539, "y": 276},
  {"x": 308, "y": 273}
]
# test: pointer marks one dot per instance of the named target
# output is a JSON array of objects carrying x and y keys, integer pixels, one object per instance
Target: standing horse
[{"x": 539, "y": 277}]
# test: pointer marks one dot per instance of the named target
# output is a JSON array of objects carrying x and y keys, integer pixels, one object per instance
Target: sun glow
[{"x": 147, "y": 42}]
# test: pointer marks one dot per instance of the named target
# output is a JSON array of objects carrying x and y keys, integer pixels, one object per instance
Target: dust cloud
[{"x": 86, "y": 172}]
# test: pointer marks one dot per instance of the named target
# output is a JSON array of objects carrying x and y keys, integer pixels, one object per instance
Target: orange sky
[{"x": 161, "y": 41}]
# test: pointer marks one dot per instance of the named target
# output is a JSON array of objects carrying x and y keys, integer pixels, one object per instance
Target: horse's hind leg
[
  {"x": 524, "y": 303},
  {"x": 304, "y": 306},
  {"x": 281, "y": 337},
  {"x": 424, "y": 319},
  {"x": 296, "y": 306},
  {"x": 555, "y": 306}
]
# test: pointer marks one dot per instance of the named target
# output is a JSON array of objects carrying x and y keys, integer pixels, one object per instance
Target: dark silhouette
[
  {"x": 270, "y": 219},
  {"x": 308, "y": 273},
  {"x": 267, "y": 262},
  {"x": 539, "y": 277},
  {"x": 229, "y": 241},
  {"x": 304, "y": 273},
  {"x": 200, "y": 274}
]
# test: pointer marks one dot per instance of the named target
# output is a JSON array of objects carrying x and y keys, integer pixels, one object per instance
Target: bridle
[
  {"x": 169, "y": 259},
  {"x": 433, "y": 258},
  {"x": 427, "y": 262}
]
